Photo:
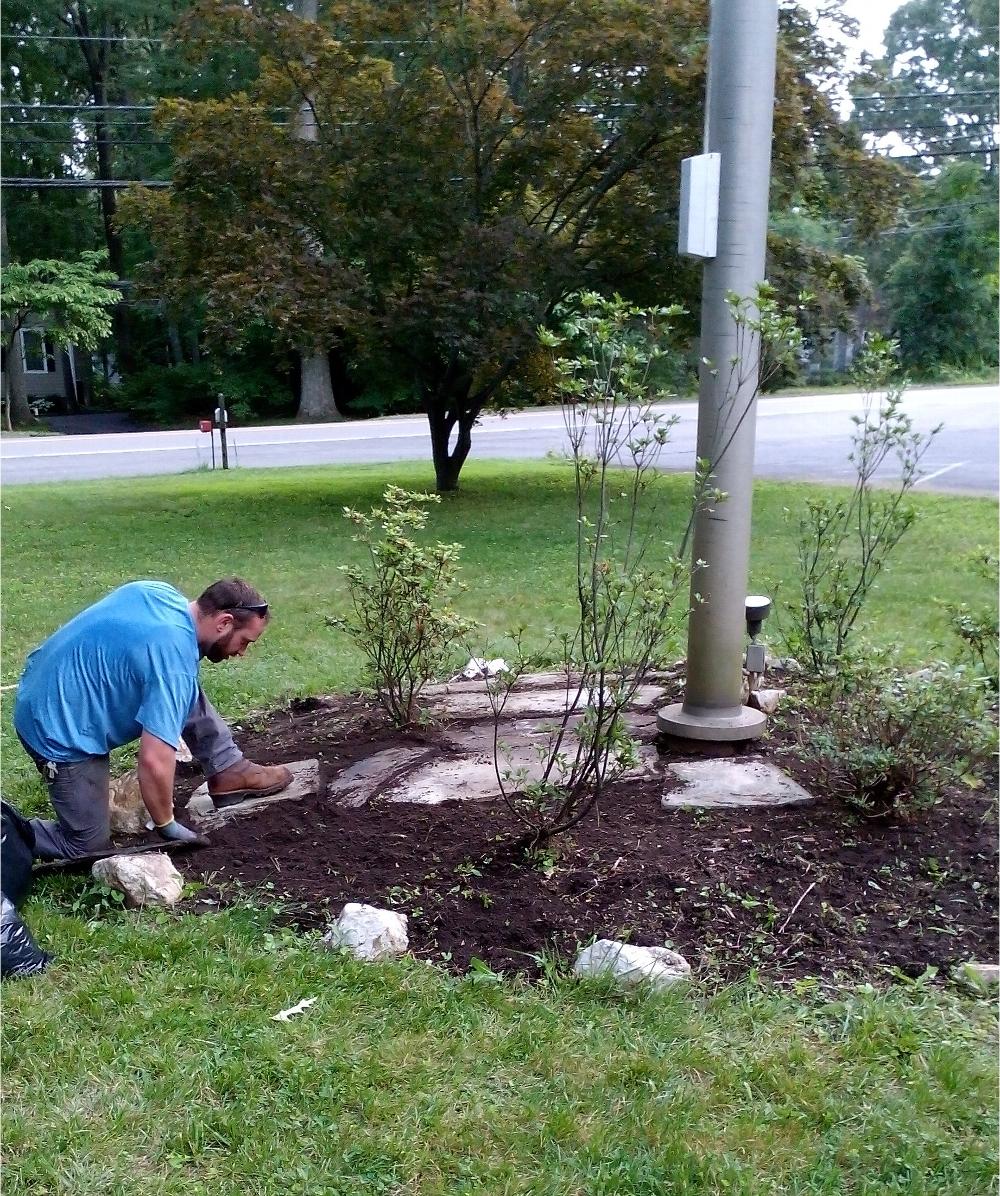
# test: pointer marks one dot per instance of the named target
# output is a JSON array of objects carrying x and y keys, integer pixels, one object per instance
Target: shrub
[
  {"x": 626, "y": 582},
  {"x": 887, "y": 742},
  {"x": 400, "y": 618},
  {"x": 844, "y": 543},
  {"x": 977, "y": 628},
  {"x": 185, "y": 393}
]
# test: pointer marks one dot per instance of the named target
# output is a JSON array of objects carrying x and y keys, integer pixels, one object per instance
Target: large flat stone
[
  {"x": 732, "y": 783},
  {"x": 305, "y": 783},
  {"x": 474, "y": 776},
  {"x": 536, "y": 702},
  {"x": 359, "y": 783}
]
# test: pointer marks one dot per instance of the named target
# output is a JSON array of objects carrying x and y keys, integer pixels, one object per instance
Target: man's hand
[{"x": 176, "y": 833}]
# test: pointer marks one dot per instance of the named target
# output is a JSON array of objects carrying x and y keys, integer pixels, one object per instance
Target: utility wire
[
  {"x": 73, "y": 37},
  {"x": 77, "y": 184},
  {"x": 966, "y": 153},
  {"x": 924, "y": 95},
  {"x": 29, "y": 107}
]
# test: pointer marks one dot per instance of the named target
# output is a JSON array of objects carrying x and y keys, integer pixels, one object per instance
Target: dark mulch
[{"x": 805, "y": 891}]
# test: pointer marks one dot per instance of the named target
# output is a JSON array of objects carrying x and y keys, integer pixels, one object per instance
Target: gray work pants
[{"x": 79, "y": 790}]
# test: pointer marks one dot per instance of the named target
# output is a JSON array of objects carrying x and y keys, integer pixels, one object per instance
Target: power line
[
  {"x": 904, "y": 230},
  {"x": 35, "y": 140},
  {"x": 959, "y": 127},
  {"x": 954, "y": 203},
  {"x": 73, "y": 37},
  {"x": 925, "y": 95},
  {"x": 966, "y": 153},
  {"x": 79, "y": 184},
  {"x": 28, "y": 107}
]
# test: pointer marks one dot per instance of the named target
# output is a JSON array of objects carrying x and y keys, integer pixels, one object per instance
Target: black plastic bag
[
  {"x": 17, "y": 850},
  {"x": 20, "y": 955}
]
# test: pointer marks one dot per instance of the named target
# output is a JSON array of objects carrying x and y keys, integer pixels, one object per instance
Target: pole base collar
[{"x": 715, "y": 726}]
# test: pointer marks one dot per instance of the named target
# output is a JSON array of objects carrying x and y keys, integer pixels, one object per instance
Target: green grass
[
  {"x": 67, "y": 545},
  {"x": 146, "y": 1060}
]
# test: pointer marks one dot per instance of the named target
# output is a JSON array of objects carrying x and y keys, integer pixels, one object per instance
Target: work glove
[{"x": 176, "y": 833}]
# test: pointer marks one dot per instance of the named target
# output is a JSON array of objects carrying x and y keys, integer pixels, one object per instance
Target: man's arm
[{"x": 156, "y": 767}]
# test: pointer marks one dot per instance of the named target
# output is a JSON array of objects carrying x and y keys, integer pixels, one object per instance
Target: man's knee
[{"x": 85, "y": 842}]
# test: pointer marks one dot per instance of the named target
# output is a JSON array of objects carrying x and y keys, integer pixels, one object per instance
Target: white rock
[
  {"x": 368, "y": 933},
  {"x": 629, "y": 965},
  {"x": 478, "y": 668},
  {"x": 148, "y": 879},
  {"x": 767, "y": 700},
  {"x": 183, "y": 753},
  {"x": 782, "y": 664},
  {"x": 128, "y": 813},
  {"x": 981, "y": 975}
]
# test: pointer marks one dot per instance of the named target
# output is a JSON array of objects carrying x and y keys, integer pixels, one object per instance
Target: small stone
[
  {"x": 629, "y": 965},
  {"x": 126, "y": 807},
  {"x": 782, "y": 664},
  {"x": 982, "y": 976},
  {"x": 767, "y": 700},
  {"x": 200, "y": 805},
  {"x": 149, "y": 879},
  {"x": 183, "y": 753},
  {"x": 368, "y": 933}
]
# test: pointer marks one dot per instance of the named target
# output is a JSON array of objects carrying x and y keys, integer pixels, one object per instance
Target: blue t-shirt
[{"x": 125, "y": 665}]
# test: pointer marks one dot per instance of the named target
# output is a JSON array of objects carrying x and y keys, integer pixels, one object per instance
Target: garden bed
[{"x": 801, "y": 891}]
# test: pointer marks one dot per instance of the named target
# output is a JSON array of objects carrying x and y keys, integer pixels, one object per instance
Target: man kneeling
[{"x": 126, "y": 668}]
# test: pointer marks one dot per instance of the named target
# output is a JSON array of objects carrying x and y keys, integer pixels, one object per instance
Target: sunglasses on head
[{"x": 259, "y": 609}]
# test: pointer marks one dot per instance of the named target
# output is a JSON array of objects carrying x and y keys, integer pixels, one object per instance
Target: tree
[
  {"x": 78, "y": 83},
  {"x": 73, "y": 301},
  {"x": 942, "y": 288},
  {"x": 937, "y": 87},
  {"x": 473, "y": 164}
]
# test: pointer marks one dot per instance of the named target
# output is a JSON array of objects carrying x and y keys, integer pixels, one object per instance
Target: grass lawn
[{"x": 146, "y": 1060}]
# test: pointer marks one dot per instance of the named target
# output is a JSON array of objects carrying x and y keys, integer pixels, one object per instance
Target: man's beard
[{"x": 219, "y": 650}]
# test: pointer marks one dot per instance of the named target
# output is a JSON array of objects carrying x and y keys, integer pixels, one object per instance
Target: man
[{"x": 126, "y": 668}]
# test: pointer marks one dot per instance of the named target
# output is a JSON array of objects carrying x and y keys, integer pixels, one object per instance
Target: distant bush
[
  {"x": 887, "y": 742},
  {"x": 184, "y": 393},
  {"x": 976, "y": 627}
]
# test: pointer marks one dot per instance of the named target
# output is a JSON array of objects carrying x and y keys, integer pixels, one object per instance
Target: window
[{"x": 37, "y": 351}]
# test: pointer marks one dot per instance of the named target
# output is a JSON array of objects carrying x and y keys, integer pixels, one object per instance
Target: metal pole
[
  {"x": 223, "y": 419},
  {"x": 740, "y": 100}
]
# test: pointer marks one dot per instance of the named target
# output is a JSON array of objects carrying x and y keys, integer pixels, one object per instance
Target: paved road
[{"x": 799, "y": 437}]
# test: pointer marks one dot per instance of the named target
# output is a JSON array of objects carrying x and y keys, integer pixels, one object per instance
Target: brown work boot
[{"x": 245, "y": 779}]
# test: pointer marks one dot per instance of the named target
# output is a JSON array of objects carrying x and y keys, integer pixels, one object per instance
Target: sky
[{"x": 874, "y": 16}]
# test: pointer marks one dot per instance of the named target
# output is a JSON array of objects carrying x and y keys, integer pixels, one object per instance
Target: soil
[{"x": 804, "y": 891}]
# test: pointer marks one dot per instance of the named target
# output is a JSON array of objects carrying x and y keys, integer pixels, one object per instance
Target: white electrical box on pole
[
  {"x": 698, "y": 230},
  {"x": 739, "y": 106}
]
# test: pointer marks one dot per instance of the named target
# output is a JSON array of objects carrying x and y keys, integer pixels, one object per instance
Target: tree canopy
[
  {"x": 472, "y": 164},
  {"x": 72, "y": 300}
]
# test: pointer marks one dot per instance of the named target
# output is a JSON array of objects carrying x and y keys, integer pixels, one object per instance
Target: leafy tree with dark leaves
[{"x": 472, "y": 165}]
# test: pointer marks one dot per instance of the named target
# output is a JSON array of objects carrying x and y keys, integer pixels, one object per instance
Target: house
[{"x": 51, "y": 372}]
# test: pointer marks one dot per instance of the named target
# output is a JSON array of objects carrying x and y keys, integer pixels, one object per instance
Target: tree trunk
[
  {"x": 448, "y": 464},
  {"x": 18, "y": 413},
  {"x": 95, "y": 50},
  {"x": 174, "y": 342},
  {"x": 316, "y": 398},
  {"x": 317, "y": 402}
]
